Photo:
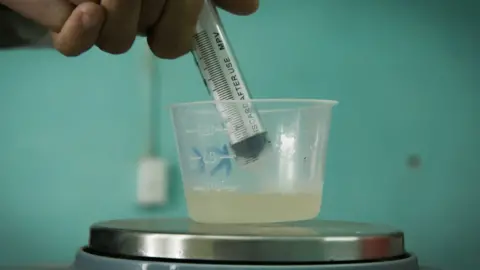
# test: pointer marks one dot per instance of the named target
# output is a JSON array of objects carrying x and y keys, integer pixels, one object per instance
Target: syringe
[{"x": 222, "y": 76}]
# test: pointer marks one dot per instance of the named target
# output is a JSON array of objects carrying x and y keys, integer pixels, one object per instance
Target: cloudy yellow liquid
[{"x": 217, "y": 206}]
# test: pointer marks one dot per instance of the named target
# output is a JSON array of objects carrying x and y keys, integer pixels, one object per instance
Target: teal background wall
[{"x": 404, "y": 143}]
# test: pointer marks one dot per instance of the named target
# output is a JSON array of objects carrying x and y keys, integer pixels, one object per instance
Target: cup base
[{"x": 219, "y": 206}]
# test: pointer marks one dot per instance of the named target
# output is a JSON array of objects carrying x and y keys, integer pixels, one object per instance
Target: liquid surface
[{"x": 216, "y": 206}]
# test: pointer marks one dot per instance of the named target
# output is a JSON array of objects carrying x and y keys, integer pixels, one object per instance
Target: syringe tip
[{"x": 252, "y": 147}]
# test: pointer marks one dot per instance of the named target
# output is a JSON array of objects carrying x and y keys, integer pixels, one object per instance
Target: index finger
[
  {"x": 51, "y": 14},
  {"x": 238, "y": 7}
]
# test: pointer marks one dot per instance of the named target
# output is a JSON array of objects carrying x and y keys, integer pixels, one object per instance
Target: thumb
[
  {"x": 81, "y": 30},
  {"x": 51, "y": 14}
]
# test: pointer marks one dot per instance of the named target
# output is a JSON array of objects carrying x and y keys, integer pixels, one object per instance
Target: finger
[
  {"x": 172, "y": 36},
  {"x": 120, "y": 28},
  {"x": 149, "y": 14},
  {"x": 81, "y": 30},
  {"x": 238, "y": 7},
  {"x": 52, "y": 14},
  {"x": 78, "y": 2}
]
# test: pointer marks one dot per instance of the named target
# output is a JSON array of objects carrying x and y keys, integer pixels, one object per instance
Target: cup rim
[{"x": 272, "y": 100}]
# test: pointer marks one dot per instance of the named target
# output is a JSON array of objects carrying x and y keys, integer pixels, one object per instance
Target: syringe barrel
[{"x": 222, "y": 76}]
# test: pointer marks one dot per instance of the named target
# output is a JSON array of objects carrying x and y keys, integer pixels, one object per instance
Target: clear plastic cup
[{"x": 284, "y": 184}]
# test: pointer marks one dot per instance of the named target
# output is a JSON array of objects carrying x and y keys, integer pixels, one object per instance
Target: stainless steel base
[{"x": 87, "y": 261}]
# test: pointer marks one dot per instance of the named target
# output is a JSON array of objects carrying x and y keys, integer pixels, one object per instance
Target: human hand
[{"x": 112, "y": 25}]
